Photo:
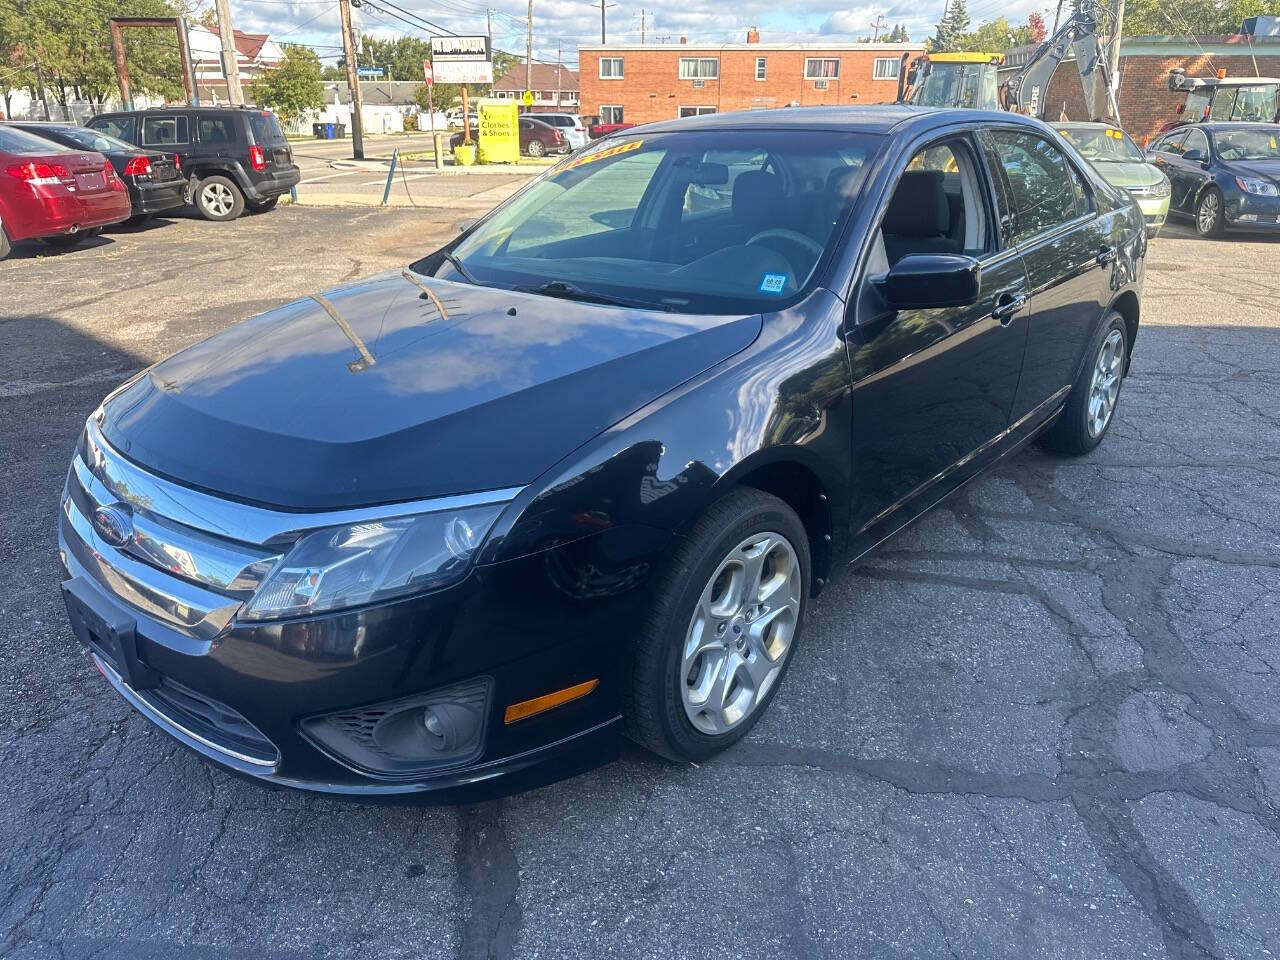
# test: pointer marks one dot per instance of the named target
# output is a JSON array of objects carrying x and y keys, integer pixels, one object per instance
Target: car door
[
  {"x": 932, "y": 389},
  {"x": 1188, "y": 170},
  {"x": 168, "y": 132},
  {"x": 1065, "y": 249}
]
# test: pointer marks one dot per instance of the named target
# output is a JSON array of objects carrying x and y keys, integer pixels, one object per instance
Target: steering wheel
[{"x": 795, "y": 236}]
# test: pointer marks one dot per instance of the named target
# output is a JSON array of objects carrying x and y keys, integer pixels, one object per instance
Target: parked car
[
  {"x": 153, "y": 178},
  {"x": 570, "y": 124},
  {"x": 600, "y": 129},
  {"x": 537, "y": 139},
  {"x": 57, "y": 195},
  {"x": 1223, "y": 176},
  {"x": 1123, "y": 165},
  {"x": 572, "y": 474},
  {"x": 235, "y": 158}
]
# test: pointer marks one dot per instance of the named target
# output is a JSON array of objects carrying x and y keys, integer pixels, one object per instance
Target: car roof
[
  {"x": 1214, "y": 126},
  {"x": 180, "y": 107},
  {"x": 879, "y": 118}
]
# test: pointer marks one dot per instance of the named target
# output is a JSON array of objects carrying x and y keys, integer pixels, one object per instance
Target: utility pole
[
  {"x": 488, "y": 25},
  {"x": 602, "y": 39},
  {"x": 642, "y": 12},
  {"x": 353, "y": 81},
  {"x": 528, "y": 52},
  {"x": 230, "y": 63},
  {"x": 1117, "y": 29},
  {"x": 877, "y": 27},
  {"x": 559, "y": 59},
  {"x": 1057, "y": 15}
]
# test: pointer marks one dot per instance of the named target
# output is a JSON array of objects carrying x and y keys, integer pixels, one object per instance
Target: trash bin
[
  {"x": 340, "y": 129},
  {"x": 317, "y": 131},
  {"x": 328, "y": 131}
]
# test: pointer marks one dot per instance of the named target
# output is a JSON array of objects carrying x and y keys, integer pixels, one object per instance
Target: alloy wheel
[
  {"x": 1207, "y": 214},
  {"x": 217, "y": 199},
  {"x": 1104, "y": 389},
  {"x": 741, "y": 632}
]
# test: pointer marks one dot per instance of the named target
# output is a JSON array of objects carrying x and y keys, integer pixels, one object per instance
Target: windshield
[
  {"x": 971, "y": 85},
  {"x": 1256, "y": 103},
  {"x": 1102, "y": 144},
  {"x": 1196, "y": 104},
  {"x": 724, "y": 221},
  {"x": 1247, "y": 145}
]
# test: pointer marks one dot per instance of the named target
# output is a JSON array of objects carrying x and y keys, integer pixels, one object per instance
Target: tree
[
  {"x": 951, "y": 28},
  {"x": 1035, "y": 23},
  {"x": 898, "y": 34},
  {"x": 1183, "y": 17},
  {"x": 995, "y": 36},
  {"x": 294, "y": 86},
  {"x": 444, "y": 96}
]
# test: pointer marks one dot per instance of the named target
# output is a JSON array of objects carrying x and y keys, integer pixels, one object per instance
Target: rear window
[
  {"x": 122, "y": 127},
  {"x": 265, "y": 127},
  {"x": 19, "y": 141}
]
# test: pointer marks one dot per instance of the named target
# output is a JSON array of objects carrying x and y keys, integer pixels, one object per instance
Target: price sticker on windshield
[
  {"x": 773, "y": 283},
  {"x": 607, "y": 152}
]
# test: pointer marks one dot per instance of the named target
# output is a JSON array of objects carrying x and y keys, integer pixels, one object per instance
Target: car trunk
[{"x": 163, "y": 169}]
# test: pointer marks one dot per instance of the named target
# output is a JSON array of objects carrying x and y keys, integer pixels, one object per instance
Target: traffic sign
[
  {"x": 428, "y": 77},
  {"x": 527, "y": 98},
  {"x": 369, "y": 71}
]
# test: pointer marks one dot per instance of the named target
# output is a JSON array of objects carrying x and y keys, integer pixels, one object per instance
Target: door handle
[
  {"x": 1007, "y": 305},
  {"x": 1105, "y": 255}
]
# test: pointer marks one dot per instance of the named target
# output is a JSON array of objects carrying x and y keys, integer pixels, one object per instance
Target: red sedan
[{"x": 58, "y": 195}]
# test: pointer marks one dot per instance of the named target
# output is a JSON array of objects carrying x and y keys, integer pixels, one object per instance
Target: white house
[{"x": 255, "y": 53}]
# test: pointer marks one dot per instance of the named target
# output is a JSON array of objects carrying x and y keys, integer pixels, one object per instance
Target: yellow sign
[
  {"x": 606, "y": 152},
  {"x": 527, "y": 98},
  {"x": 499, "y": 133}
]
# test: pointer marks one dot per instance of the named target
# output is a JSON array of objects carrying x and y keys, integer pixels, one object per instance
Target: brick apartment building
[
  {"x": 1144, "y": 97},
  {"x": 634, "y": 83}
]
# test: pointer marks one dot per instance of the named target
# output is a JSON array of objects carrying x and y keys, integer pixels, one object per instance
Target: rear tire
[
  {"x": 5, "y": 246},
  {"x": 1091, "y": 405},
  {"x": 261, "y": 206},
  {"x": 721, "y": 632},
  {"x": 536, "y": 149},
  {"x": 218, "y": 199}
]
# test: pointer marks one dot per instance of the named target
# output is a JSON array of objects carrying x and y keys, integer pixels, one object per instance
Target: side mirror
[
  {"x": 922, "y": 281},
  {"x": 467, "y": 224},
  {"x": 1196, "y": 155}
]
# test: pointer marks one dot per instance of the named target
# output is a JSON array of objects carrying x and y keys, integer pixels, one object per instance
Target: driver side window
[{"x": 937, "y": 206}]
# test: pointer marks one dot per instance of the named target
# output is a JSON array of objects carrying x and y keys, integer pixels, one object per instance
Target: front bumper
[
  {"x": 1249, "y": 212},
  {"x": 1155, "y": 210},
  {"x": 238, "y": 693}
]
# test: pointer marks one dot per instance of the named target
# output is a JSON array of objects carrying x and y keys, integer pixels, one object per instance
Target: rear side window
[
  {"x": 1171, "y": 144},
  {"x": 125, "y": 128},
  {"x": 19, "y": 141},
  {"x": 265, "y": 127},
  {"x": 215, "y": 130},
  {"x": 1046, "y": 190},
  {"x": 164, "y": 131}
]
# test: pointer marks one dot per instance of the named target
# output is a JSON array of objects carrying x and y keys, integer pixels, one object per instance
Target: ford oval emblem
[{"x": 114, "y": 524}]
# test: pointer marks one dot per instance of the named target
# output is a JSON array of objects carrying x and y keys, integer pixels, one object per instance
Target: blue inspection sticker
[{"x": 773, "y": 282}]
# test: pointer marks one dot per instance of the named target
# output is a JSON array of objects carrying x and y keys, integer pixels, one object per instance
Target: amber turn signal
[{"x": 529, "y": 708}]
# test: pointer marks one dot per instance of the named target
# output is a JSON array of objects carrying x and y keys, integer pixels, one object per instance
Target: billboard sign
[{"x": 462, "y": 60}]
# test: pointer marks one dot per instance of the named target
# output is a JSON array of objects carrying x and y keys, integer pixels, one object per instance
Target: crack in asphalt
[{"x": 490, "y": 877}]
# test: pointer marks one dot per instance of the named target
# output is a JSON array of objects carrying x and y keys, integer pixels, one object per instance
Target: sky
[{"x": 573, "y": 22}]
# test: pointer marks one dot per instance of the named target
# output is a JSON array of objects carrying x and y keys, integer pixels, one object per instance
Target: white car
[{"x": 569, "y": 124}]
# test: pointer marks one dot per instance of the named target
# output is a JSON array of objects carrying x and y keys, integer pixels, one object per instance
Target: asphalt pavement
[{"x": 1045, "y": 723}]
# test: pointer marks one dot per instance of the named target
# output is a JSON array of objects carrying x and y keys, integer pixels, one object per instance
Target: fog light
[
  {"x": 408, "y": 737},
  {"x": 1247, "y": 218}
]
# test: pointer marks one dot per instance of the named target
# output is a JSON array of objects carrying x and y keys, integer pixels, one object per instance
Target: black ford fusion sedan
[{"x": 451, "y": 531}]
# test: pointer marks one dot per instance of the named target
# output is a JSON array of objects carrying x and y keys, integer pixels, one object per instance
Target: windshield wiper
[
  {"x": 457, "y": 264},
  {"x": 567, "y": 291}
]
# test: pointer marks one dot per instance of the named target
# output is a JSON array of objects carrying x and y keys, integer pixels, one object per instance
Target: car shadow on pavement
[{"x": 1174, "y": 230}]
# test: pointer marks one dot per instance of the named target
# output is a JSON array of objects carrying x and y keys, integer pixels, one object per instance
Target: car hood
[
  {"x": 402, "y": 387},
  {"x": 1129, "y": 174},
  {"x": 1265, "y": 169}
]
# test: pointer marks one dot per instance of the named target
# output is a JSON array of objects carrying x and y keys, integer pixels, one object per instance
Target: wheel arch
[
  {"x": 793, "y": 478},
  {"x": 1128, "y": 306}
]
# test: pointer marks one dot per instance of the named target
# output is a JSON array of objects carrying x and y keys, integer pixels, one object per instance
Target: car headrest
[
  {"x": 840, "y": 184},
  {"x": 758, "y": 199},
  {"x": 919, "y": 206}
]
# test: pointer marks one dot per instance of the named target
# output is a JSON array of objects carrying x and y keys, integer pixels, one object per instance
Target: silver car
[{"x": 569, "y": 124}]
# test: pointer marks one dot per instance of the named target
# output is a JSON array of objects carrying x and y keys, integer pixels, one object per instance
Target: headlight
[
  {"x": 1260, "y": 188},
  {"x": 1161, "y": 189},
  {"x": 341, "y": 567}
]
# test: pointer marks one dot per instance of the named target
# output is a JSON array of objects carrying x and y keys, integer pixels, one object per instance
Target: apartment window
[
  {"x": 610, "y": 68},
  {"x": 762, "y": 64},
  {"x": 817, "y": 68},
  {"x": 885, "y": 68},
  {"x": 695, "y": 111},
  {"x": 699, "y": 68},
  {"x": 611, "y": 115}
]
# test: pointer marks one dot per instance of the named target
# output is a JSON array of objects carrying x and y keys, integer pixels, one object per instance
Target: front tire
[
  {"x": 1209, "y": 215},
  {"x": 719, "y": 638},
  {"x": 218, "y": 199},
  {"x": 1092, "y": 403}
]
